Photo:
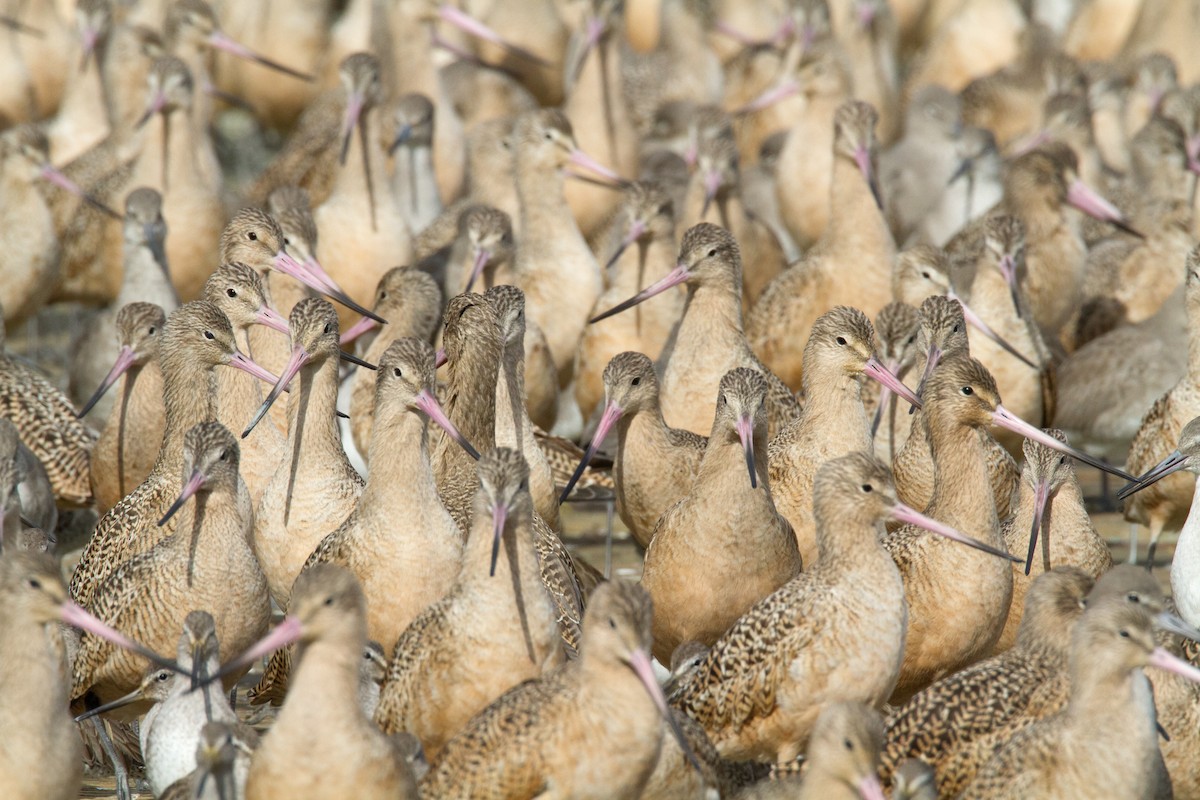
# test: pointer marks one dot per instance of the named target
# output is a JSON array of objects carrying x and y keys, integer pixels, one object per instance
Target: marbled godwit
[
  {"x": 399, "y": 525},
  {"x": 372, "y": 671},
  {"x": 25, "y": 494},
  {"x": 973, "y": 702},
  {"x": 505, "y": 609},
  {"x": 842, "y": 758},
  {"x": 82, "y": 119},
  {"x": 1166, "y": 504},
  {"x": 639, "y": 244},
  {"x": 413, "y": 305},
  {"x": 915, "y": 170},
  {"x": 714, "y": 194},
  {"x": 596, "y": 105},
  {"x": 868, "y": 33},
  {"x": 291, "y": 208},
  {"x": 759, "y": 692},
  {"x": 407, "y": 136},
  {"x": 314, "y": 487},
  {"x": 944, "y": 335},
  {"x": 328, "y": 620},
  {"x": 514, "y": 429},
  {"x": 208, "y": 562},
  {"x": 144, "y": 279},
  {"x": 777, "y": 327},
  {"x": 222, "y": 765},
  {"x": 239, "y": 292},
  {"x": 474, "y": 348},
  {"x": 898, "y": 325},
  {"x": 590, "y": 729},
  {"x": 960, "y": 399},
  {"x": 46, "y": 422},
  {"x": 840, "y": 351},
  {"x": 129, "y": 441},
  {"x": 38, "y": 47},
  {"x": 554, "y": 266},
  {"x": 1184, "y": 586},
  {"x": 46, "y": 759},
  {"x": 690, "y": 548},
  {"x": 656, "y": 464},
  {"x": 709, "y": 340},
  {"x": 481, "y": 252},
  {"x": 196, "y": 339},
  {"x": 974, "y": 187},
  {"x": 1106, "y": 736},
  {"x": 1049, "y": 507},
  {"x": 361, "y": 221}
]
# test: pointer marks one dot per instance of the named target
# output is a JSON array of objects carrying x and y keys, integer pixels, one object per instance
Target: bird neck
[
  {"x": 400, "y": 473},
  {"x": 962, "y": 493},
  {"x": 513, "y": 426},
  {"x": 471, "y": 397},
  {"x": 856, "y": 225},
  {"x": 312, "y": 414},
  {"x": 189, "y": 398}
]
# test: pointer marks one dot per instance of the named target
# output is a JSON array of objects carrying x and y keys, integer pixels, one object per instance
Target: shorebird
[
  {"x": 851, "y": 264},
  {"x": 82, "y": 119},
  {"x": 222, "y": 765},
  {"x": 434, "y": 684},
  {"x": 1106, "y": 736},
  {"x": 655, "y": 464},
  {"x": 412, "y": 304},
  {"x": 972, "y": 702},
  {"x": 314, "y": 487},
  {"x": 327, "y": 618},
  {"x": 590, "y": 729},
  {"x": 46, "y": 759},
  {"x": 399, "y": 525},
  {"x": 25, "y": 494},
  {"x": 514, "y": 429},
  {"x": 406, "y": 133},
  {"x": 690, "y": 547},
  {"x": 709, "y": 340},
  {"x": 1187, "y": 549},
  {"x": 898, "y": 325},
  {"x": 1049, "y": 513},
  {"x": 145, "y": 279},
  {"x": 841, "y": 759},
  {"x": 196, "y": 339},
  {"x": 1165, "y": 505},
  {"x": 759, "y": 691},
  {"x": 480, "y": 254},
  {"x": 841, "y": 349},
  {"x": 639, "y": 245},
  {"x": 960, "y": 398},
  {"x": 129, "y": 441},
  {"x": 46, "y": 422},
  {"x": 208, "y": 562}
]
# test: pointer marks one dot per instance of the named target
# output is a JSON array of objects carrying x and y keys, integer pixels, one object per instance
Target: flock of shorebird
[{"x": 641, "y": 244}]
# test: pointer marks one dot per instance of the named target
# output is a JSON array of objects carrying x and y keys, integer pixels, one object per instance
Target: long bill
[
  {"x": 350, "y": 120},
  {"x": 364, "y": 325},
  {"x": 126, "y": 700},
  {"x": 1008, "y": 268},
  {"x": 221, "y": 41},
  {"x": 1172, "y": 463},
  {"x": 314, "y": 277},
  {"x": 270, "y": 318},
  {"x": 287, "y": 632},
  {"x": 910, "y": 516},
  {"x": 869, "y": 788},
  {"x": 296, "y": 361},
  {"x": 125, "y": 359},
  {"x": 482, "y": 257},
  {"x": 862, "y": 158},
  {"x": 768, "y": 98},
  {"x": 499, "y": 518},
  {"x": 975, "y": 321},
  {"x": 1041, "y": 499},
  {"x": 639, "y": 662},
  {"x": 1006, "y": 419},
  {"x": 240, "y": 360},
  {"x": 672, "y": 279},
  {"x": 189, "y": 490},
  {"x": 469, "y": 25},
  {"x": 636, "y": 230},
  {"x": 745, "y": 432},
  {"x": 54, "y": 176},
  {"x": 582, "y": 160},
  {"x": 75, "y": 616},
  {"x": 1162, "y": 659},
  {"x": 875, "y": 369},
  {"x": 1092, "y": 203},
  {"x": 432, "y": 409},
  {"x": 612, "y": 413},
  {"x": 1173, "y": 623}
]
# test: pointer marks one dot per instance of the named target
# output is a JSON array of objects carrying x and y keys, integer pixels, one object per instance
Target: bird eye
[
  {"x": 549, "y": 136},
  {"x": 329, "y": 601},
  {"x": 925, "y": 275},
  {"x": 34, "y": 583},
  {"x": 636, "y": 381},
  {"x": 723, "y": 401},
  {"x": 849, "y": 745},
  {"x": 1062, "y": 460},
  {"x": 866, "y": 487},
  {"x": 383, "y": 295},
  {"x": 1124, "y": 633},
  {"x": 460, "y": 314},
  {"x": 612, "y": 623},
  {"x": 968, "y": 391},
  {"x": 954, "y": 329},
  {"x": 396, "y": 371},
  {"x": 231, "y": 292},
  {"x": 841, "y": 340},
  {"x": 712, "y": 252},
  {"x": 224, "y": 455},
  {"x": 150, "y": 332},
  {"x": 252, "y": 236},
  {"x": 326, "y": 327},
  {"x": 286, "y": 241},
  {"x": 1133, "y": 597},
  {"x": 208, "y": 335}
]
